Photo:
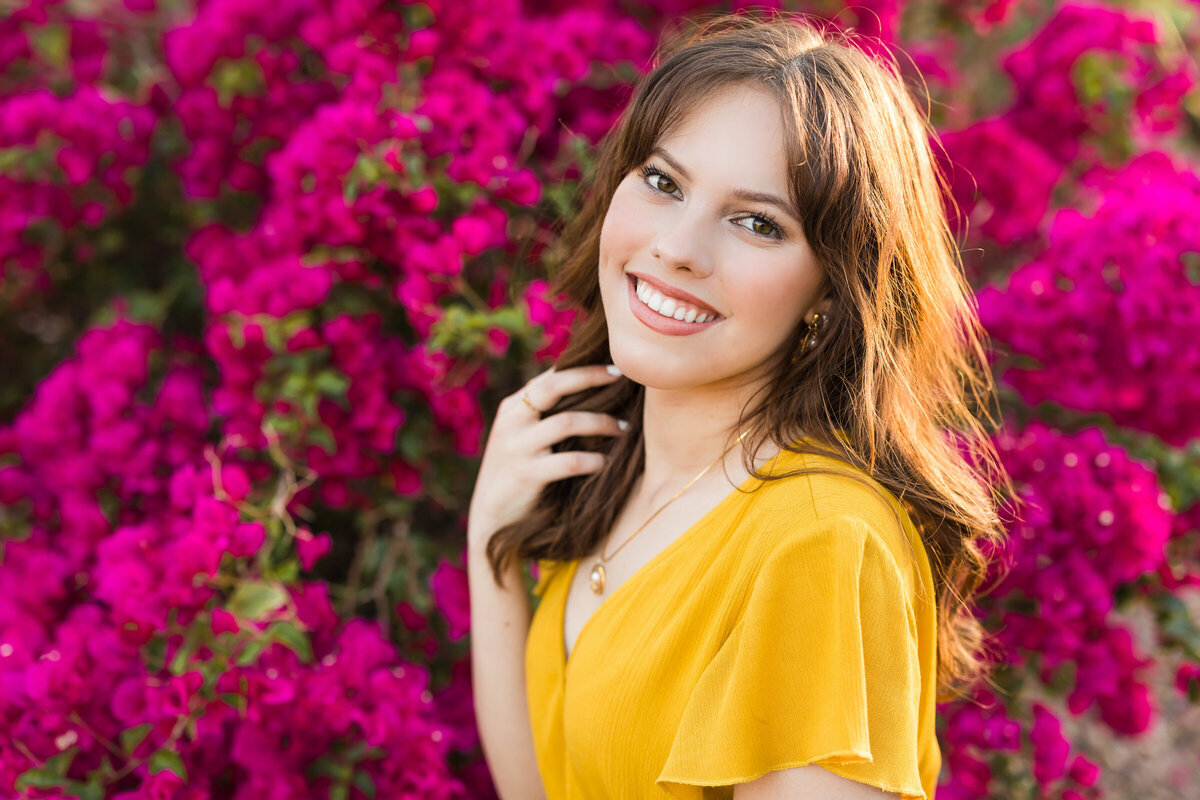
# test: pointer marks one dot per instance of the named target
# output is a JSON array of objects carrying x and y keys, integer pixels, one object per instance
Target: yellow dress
[{"x": 789, "y": 626}]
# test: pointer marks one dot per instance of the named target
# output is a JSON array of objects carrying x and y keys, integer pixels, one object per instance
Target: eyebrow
[{"x": 741, "y": 194}]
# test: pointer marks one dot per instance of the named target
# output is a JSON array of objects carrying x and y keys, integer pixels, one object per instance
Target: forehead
[{"x": 734, "y": 135}]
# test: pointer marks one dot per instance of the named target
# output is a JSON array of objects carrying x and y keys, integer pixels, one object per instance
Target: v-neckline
[{"x": 567, "y": 658}]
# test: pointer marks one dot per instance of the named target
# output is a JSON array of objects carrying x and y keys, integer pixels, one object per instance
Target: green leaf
[
  {"x": 256, "y": 600},
  {"x": 179, "y": 663},
  {"x": 418, "y": 15},
  {"x": 251, "y": 652},
  {"x": 52, "y": 43},
  {"x": 365, "y": 784},
  {"x": 237, "y": 76},
  {"x": 511, "y": 319},
  {"x": 15, "y": 161},
  {"x": 233, "y": 700},
  {"x": 92, "y": 790},
  {"x": 339, "y": 791},
  {"x": 288, "y": 571},
  {"x": 295, "y": 386},
  {"x": 326, "y": 767},
  {"x": 51, "y": 774},
  {"x": 331, "y": 383},
  {"x": 321, "y": 437},
  {"x": 59, "y": 763},
  {"x": 132, "y": 737},
  {"x": 164, "y": 760},
  {"x": 39, "y": 779},
  {"x": 291, "y": 637},
  {"x": 1191, "y": 266}
]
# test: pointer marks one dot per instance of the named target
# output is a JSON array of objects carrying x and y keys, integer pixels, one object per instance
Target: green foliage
[
  {"x": 237, "y": 77},
  {"x": 132, "y": 737},
  {"x": 165, "y": 760},
  {"x": 463, "y": 331},
  {"x": 256, "y": 600},
  {"x": 291, "y": 637}
]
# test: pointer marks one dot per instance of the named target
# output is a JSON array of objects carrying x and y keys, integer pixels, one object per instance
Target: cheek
[
  {"x": 623, "y": 223},
  {"x": 774, "y": 296}
]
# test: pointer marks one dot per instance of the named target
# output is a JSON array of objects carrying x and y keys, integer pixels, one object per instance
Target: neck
[{"x": 685, "y": 430}]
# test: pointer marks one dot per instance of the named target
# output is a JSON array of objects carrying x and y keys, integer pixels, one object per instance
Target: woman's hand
[{"x": 517, "y": 461}]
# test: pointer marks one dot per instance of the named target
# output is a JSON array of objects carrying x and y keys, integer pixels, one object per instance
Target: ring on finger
[{"x": 528, "y": 402}]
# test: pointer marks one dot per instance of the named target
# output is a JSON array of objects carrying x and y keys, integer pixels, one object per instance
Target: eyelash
[{"x": 650, "y": 169}]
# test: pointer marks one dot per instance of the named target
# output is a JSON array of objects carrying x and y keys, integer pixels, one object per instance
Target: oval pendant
[{"x": 596, "y": 578}]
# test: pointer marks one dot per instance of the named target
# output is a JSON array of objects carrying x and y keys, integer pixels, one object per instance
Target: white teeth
[{"x": 668, "y": 306}]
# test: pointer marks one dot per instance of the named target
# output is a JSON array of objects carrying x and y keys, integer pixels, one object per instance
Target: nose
[{"x": 682, "y": 243}]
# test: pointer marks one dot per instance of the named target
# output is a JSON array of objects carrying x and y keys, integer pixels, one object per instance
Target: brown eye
[
  {"x": 664, "y": 184},
  {"x": 763, "y": 225},
  {"x": 667, "y": 185}
]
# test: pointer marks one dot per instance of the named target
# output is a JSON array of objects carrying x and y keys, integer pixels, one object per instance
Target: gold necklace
[{"x": 596, "y": 576}]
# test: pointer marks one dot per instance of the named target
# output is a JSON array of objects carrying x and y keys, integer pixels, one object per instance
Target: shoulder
[
  {"x": 826, "y": 494},
  {"x": 831, "y": 507}
]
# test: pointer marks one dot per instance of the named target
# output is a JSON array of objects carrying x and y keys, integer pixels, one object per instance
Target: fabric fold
[{"x": 822, "y": 668}]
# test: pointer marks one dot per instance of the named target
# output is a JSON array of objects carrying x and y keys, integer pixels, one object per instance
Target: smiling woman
[{"x": 765, "y": 269}]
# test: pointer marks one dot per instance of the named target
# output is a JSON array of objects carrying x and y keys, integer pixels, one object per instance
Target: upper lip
[{"x": 678, "y": 294}]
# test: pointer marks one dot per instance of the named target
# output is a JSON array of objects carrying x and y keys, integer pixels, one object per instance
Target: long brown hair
[{"x": 898, "y": 379}]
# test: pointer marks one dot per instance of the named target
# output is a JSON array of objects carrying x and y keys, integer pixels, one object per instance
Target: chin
[{"x": 652, "y": 368}]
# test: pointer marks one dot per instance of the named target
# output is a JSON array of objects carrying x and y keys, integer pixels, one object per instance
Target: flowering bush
[{"x": 267, "y": 268}]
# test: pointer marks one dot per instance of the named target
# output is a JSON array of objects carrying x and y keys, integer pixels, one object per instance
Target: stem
[
  {"x": 382, "y": 578},
  {"x": 78, "y": 720},
  {"x": 354, "y": 579},
  {"x": 472, "y": 296},
  {"x": 26, "y": 752}
]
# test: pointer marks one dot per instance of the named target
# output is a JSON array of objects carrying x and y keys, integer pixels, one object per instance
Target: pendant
[{"x": 596, "y": 578}]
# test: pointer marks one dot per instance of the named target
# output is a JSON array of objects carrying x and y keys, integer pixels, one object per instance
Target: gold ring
[{"x": 532, "y": 407}]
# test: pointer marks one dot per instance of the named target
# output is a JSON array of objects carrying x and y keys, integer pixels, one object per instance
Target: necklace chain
[{"x": 597, "y": 575}]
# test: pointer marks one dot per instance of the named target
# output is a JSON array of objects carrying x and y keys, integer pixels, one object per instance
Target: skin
[
  {"x": 689, "y": 231},
  {"x": 686, "y": 228}
]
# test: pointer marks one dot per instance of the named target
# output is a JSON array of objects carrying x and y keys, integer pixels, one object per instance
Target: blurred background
[{"x": 267, "y": 268}]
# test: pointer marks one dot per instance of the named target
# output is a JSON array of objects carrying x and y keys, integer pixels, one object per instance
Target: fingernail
[
  {"x": 622, "y": 424},
  {"x": 613, "y": 370}
]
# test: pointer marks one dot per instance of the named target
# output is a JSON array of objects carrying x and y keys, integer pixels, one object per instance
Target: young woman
[{"x": 754, "y": 481}]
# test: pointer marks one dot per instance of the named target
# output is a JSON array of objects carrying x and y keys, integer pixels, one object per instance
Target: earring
[{"x": 810, "y": 335}]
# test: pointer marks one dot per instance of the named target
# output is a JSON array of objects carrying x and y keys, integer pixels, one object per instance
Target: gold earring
[{"x": 810, "y": 335}]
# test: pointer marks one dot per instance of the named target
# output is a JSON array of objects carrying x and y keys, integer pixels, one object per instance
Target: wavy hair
[{"x": 898, "y": 384}]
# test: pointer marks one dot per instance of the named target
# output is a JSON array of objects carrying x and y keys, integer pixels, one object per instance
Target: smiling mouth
[{"x": 670, "y": 307}]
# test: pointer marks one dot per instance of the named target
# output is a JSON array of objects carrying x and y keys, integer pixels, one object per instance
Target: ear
[{"x": 822, "y": 307}]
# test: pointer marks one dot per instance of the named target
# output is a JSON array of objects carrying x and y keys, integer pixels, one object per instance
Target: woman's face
[{"x": 693, "y": 228}]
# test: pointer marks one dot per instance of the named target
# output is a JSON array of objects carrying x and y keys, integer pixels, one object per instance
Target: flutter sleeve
[{"x": 822, "y": 668}]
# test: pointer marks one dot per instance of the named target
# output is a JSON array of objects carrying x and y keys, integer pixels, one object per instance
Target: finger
[
  {"x": 558, "y": 466},
  {"x": 548, "y": 388},
  {"x": 557, "y": 427}
]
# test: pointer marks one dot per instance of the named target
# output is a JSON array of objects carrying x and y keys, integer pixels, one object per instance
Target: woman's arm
[
  {"x": 517, "y": 464},
  {"x": 499, "y": 625},
  {"x": 810, "y": 780}
]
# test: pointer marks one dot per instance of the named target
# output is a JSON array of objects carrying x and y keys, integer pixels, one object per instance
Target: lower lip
[{"x": 657, "y": 322}]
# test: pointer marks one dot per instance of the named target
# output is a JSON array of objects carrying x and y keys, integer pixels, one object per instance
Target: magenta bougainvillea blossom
[{"x": 1107, "y": 311}]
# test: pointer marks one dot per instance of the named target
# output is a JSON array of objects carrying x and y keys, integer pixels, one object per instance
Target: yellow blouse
[{"x": 788, "y": 626}]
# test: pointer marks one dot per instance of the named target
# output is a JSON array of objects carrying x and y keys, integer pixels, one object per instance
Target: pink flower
[
  {"x": 450, "y": 593},
  {"x": 310, "y": 548},
  {"x": 224, "y": 622}
]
